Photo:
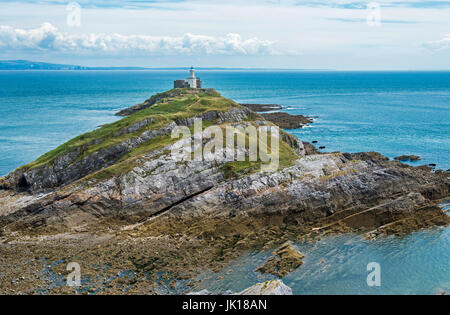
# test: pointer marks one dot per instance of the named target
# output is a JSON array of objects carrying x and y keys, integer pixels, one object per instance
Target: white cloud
[
  {"x": 49, "y": 38},
  {"x": 443, "y": 43}
]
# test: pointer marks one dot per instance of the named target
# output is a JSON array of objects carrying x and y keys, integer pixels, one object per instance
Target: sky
[{"x": 293, "y": 34}]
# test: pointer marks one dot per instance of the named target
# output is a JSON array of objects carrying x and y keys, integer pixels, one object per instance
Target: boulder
[
  {"x": 285, "y": 260},
  {"x": 271, "y": 287}
]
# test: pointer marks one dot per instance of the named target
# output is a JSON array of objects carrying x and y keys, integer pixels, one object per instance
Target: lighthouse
[{"x": 191, "y": 82}]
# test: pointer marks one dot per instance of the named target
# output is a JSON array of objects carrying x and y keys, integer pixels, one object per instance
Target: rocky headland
[{"x": 138, "y": 221}]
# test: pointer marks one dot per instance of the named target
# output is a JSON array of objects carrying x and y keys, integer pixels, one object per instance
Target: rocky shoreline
[
  {"x": 405, "y": 158},
  {"x": 139, "y": 222},
  {"x": 261, "y": 108}
]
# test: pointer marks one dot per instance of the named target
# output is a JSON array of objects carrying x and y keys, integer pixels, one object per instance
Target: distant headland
[{"x": 36, "y": 65}]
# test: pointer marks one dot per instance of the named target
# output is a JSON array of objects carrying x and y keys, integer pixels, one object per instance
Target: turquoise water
[
  {"x": 393, "y": 113},
  {"x": 390, "y": 112}
]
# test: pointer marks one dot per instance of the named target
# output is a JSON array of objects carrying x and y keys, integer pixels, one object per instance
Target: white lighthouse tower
[{"x": 192, "y": 80}]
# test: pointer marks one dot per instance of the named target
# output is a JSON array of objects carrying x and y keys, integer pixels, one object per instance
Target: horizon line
[{"x": 16, "y": 63}]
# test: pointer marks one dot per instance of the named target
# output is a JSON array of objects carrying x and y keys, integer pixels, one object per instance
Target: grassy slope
[
  {"x": 186, "y": 103},
  {"x": 164, "y": 111}
]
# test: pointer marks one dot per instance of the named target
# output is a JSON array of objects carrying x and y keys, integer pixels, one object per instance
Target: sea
[{"x": 394, "y": 113}]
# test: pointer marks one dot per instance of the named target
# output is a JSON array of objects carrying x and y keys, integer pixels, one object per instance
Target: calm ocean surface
[{"x": 393, "y": 113}]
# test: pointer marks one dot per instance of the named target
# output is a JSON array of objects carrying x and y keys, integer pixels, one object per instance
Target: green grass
[
  {"x": 235, "y": 169},
  {"x": 184, "y": 106},
  {"x": 129, "y": 160}
]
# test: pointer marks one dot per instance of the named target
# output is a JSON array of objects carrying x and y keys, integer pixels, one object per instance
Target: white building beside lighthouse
[{"x": 191, "y": 82}]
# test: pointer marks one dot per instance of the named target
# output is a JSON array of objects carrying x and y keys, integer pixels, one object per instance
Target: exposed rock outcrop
[
  {"x": 281, "y": 119},
  {"x": 287, "y": 121},
  {"x": 271, "y": 287},
  {"x": 260, "y": 108},
  {"x": 285, "y": 259}
]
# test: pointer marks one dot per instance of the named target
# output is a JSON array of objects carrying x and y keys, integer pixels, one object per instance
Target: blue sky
[{"x": 323, "y": 34}]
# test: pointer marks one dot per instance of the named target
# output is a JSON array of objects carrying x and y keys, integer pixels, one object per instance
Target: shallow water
[
  {"x": 418, "y": 263},
  {"x": 414, "y": 264}
]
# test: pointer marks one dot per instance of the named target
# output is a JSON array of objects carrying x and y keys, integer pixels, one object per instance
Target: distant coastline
[
  {"x": 16, "y": 65},
  {"x": 36, "y": 65}
]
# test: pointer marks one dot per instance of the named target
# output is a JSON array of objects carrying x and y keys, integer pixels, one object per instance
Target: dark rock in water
[
  {"x": 432, "y": 165},
  {"x": 287, "y": 121},
  {"x": 259, "y": 108},
  {"x": 285, "y": 260},
  {"x": 405, "y": 158},
  {"x": 283, "y": 120},
  {"x": 315, "y": 141},
  {"x": 322, "y": 147}
]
